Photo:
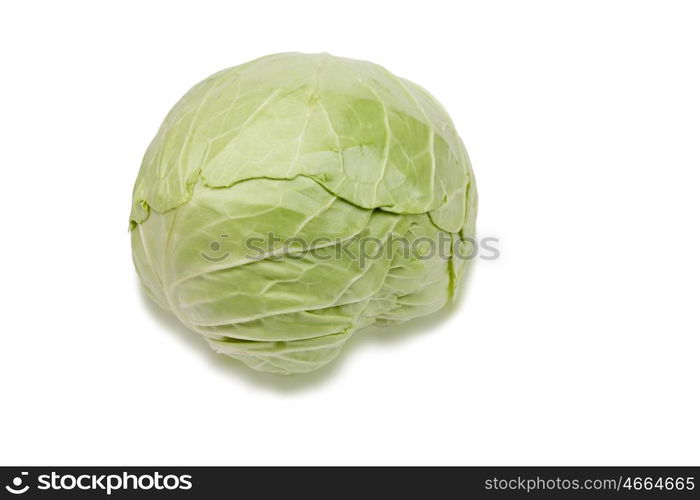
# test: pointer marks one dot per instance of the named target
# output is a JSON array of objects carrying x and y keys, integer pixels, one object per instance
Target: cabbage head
[{"x": 325, "y": 151}]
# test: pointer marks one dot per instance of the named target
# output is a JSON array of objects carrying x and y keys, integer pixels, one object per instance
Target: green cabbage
[{"x": 302, "y": 146}]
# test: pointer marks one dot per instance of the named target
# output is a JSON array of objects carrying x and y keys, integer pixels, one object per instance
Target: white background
[{"x": 578, "y": 346}]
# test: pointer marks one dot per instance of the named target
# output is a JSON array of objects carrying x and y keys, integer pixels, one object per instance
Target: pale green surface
[{"x": 299, "y": 145}]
